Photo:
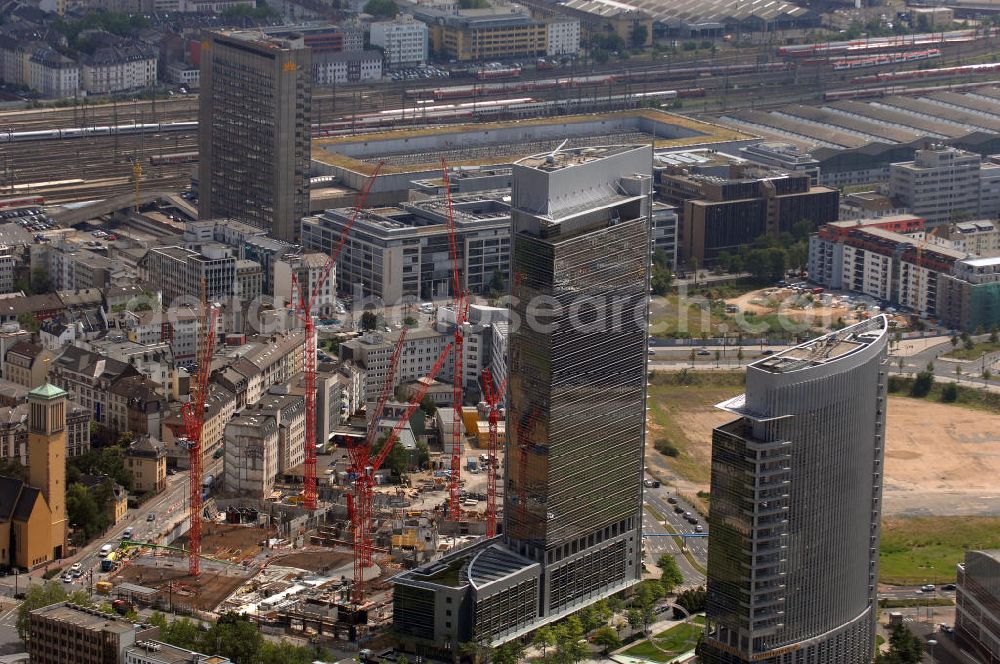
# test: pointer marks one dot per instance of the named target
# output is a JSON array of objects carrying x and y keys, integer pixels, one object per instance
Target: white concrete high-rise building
[{"x": 945, "y": 184}]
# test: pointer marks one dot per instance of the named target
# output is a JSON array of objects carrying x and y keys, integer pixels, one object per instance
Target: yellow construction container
[{"x": 103, "y": 587}]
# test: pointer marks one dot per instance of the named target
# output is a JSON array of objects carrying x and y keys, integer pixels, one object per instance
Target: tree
[
  {"x": 511, "y": 652},
  {"x": 640, "y": 34},
  {"x": 993, "y": 334},
  {"x": 649, "y": 592},
  {"x": 949, "y": 393},
  {"x": 692, "y": 601},
  {"x": 38, "y": 596},
  {"x": 428, "y": 405},
  {"x": 382, "y": 8},
  {"x": 922, "y": 384},
  {"x": 672, "y": 576},
  {"x": 83, "y": 512},
  {"x": 423, "y": 454},
  {"x": 544, "y": 639},
  {"x": 968, "y": 344},
  {"x": 661, "y": 280},
  {"x": 634, "y": 618},
  {"x": 954, "y": 341},
  {"x": 739, "y": 355},
  {"x": 473, "y": 4},
  {"x": 904, "y": 647},
  {"x": 570, "y": 647},
  {"x": 369, "y": 319},
  {"x": 29, "y": 322},
  {"x": 40, "y": 281},
  {"x": 987, "y": 374},
  {"x": 607, "y": 638},
  {"x": 398, "y": 459},
  {"x": 11, "y": 467}
]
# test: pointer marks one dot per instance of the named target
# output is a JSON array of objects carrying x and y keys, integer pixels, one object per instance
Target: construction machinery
[
  {"x": 493, "y": 396},
  {"x": 461, "y": 306},
  {"x": 193, "y": 414},
  {"x": 364, "y": 483},
  {"x": 303, "y": 298}
]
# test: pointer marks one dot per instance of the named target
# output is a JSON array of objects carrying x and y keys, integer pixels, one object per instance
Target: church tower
[{"x": 47, "y": 456}]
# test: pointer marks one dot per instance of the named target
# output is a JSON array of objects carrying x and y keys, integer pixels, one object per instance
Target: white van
[{"x": 106, "y": 549}]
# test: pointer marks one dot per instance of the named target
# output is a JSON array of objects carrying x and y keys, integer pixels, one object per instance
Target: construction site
[{"x": 315, "y": 555}]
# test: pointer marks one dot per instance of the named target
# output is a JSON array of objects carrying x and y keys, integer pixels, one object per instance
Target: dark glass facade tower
[
  {"x": 795, "y": 514},
  {"x": 254, "y": 123},
  {"x": 576, "y": 419}
]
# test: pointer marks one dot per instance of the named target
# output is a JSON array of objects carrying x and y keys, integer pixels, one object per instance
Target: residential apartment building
[
  {"x": 118, "y": 67},
  {"x": 977, "y": 605},
  {"x": 27, "y": 364},
  {"x": 793, "y": 565},
  {"x": 497, "y": 33},
  {"x": 864, "y": 257},
  {"x": 288, "y": 411},
  {"x": 251, "y": 457},
  {"x": 72, "y": 267},
  {"x": 255, "y": 122},
  {"x": 179, "y": 273},
  {"x": 8, "y": 263},
  {"x": 347, "y": 67},
  {"x": 146, "y": 461},
  {"x": 573, "y": 500},
  {"x": 403, "y": 39},
  {"x": 977, "y": 238},
  {"x": 403, "y": 252},
  {"x": 52, "y": 74},
  {"x": 944, "y": 184},
  {"x": 249, "y": 280},
  {"x": 65, "y": 632},
  {"x": 373, "y": 352},
  {"x": 724, "y": 203},
  {"x": 14, "y": 434},
  {"x": 136, "y": 405},
  {"x": 88, "y": 378},
  {"x": 308, "y": 270},
  {"x": 969, "y": 295},
  {"x": 665, "y": 222}
]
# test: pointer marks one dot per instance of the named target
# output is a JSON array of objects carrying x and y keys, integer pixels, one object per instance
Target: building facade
[
  {"x": 969, "y": 296},
  {"x": 308, "y": 271},
  {"x": 255, "y": 120},
  {"x": 180, "y": 273},
  {"x": 404, "y": 41},
  {"x": 795, "y": 514},
  {"x": 402, "y": 253},
  {"x": 118, "y": 68},
  {"x": 573, "y": 498},
  {"x": 347, "y": 67},
  {"x": 66, "y": 632},
  {"x": 977, "y": 602},
  {"x": 146, "y": 461},
  {"x": 944, "y": 184}
]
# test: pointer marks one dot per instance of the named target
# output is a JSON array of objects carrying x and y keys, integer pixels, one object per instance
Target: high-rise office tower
[
  {"x": 796, "y": 494},
  {"x": 254, "y": 130},
  {"x": 577, "y": 399},
  {"x": 576, "y": 418}
]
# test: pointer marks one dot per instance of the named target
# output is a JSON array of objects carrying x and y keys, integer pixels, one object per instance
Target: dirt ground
[
  {"x": 794, "y": 305},
  {"x": 313, "y": 560},
  {"x": 227, "y": 542},
  {"x": 939, "y": 459},
  {"x": 204, "y": 592}
]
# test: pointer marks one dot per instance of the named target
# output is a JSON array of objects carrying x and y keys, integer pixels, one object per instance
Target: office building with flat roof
[
  {"x": 255, "y": 119},
  {"x": 795, "y": 514},
  {"x": 977, "y": 605},
  {"x": 64, "y": 632},
  {"x": 576, "y": 410},
  {"x": 401, "y": 252},
  {"x": 945, "y": 184}
]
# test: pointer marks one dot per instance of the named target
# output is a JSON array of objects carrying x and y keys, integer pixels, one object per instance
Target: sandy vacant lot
[{"x": 939, "y": 459}]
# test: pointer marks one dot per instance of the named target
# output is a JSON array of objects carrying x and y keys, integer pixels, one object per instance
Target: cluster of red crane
[{"x": 363, "y": 466}]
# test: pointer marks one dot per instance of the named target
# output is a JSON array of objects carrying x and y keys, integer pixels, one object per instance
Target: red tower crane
[
  {"x": 193, "y": 414},
  {"x": 304, "y": 306},
  {"x": 493, "y": 396},
  {"x": 461, "y": 306},
  {"x": 365, "y": 481}
]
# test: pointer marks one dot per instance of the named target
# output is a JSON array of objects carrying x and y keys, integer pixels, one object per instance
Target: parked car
[
  {"x": 151, "y": 516},
  {"x": 672, "y": 500}
]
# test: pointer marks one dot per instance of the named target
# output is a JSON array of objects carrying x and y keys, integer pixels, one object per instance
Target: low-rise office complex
[{"x": 402, "y": 252}]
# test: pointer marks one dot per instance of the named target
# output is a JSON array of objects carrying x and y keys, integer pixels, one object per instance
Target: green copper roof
[{"x": 47, "y": 391}]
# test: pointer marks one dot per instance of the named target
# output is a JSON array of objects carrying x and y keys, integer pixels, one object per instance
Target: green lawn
[
  {"x": 974, "y": 353},
  {"x": 968, "y": 396},
  {"x": 921, "y": 550},
  {"x": 673, "y": 642}
]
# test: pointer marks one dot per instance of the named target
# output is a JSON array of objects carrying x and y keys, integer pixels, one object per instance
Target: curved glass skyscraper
[{"x": 795, "y": 510}]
